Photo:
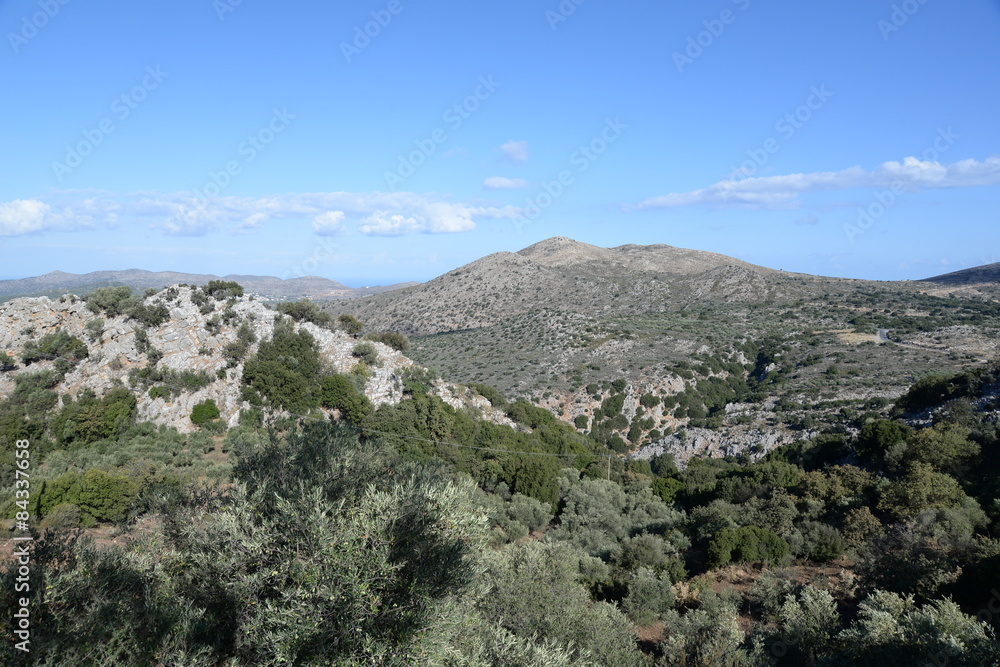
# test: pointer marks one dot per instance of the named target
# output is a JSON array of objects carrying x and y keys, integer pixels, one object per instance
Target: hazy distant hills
[
  {"x": 269, "y": 287},
  {"x": 572, "y": 276},
  {"x": 988, "y": 273}
]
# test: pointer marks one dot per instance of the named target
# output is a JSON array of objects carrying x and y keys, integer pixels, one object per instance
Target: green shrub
[
  {"x": 649, "y": 596},
  {"x": 223, "y": 289},
  {"x": 350, "y": 324},
  {"x": 100, "y": 496},
  {"x": 149, "y": 316},
  {"x": 530, "y": 415},
  {"x": 667, "y": 488},
  {"x": 89, "y": 419},
  {"x": 709, "y": 636},
  {"x": 305, "y": 311},
  {"x": 613, "y": 404},
  {"x": 396, "y": 341},
  {"x": 285, "y": 370},
  {"x": 53, "y": 346},
  {"x": 746, "y": 544},
  {"x": 111, "y": 300},
  {"x": 490, "y": 394},
  {"x": 95, "y": 328},
  {"x": 883, "y": 441},
  {"x": 893, "y": 630},
  {"x": 338, "y": 392},
  {"x": 534, "y": 591},
  {"x": 581, "y": 422},
  {"x": 205, "y": 412},
  {"x": 821, "y": 542},
  {"x": 527, "y": 511},
  {"x": 366, "y": 352}
]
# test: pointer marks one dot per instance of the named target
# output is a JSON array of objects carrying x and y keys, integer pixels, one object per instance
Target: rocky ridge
[{"x": 188, "y": 342}]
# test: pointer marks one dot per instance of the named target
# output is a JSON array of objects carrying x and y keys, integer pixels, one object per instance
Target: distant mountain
[
  {"x": 269, "y": 287},
  {"x": 571, "y": 276},
  {"x": 988, "y": 273}
]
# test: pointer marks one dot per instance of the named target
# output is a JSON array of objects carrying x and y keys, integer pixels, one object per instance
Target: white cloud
[
  {"x": 383, "y": 223},
  {"x": 504, "y": 183},
  {"x": 330, "y": 223},
  {"x": 183, "y": 214},
  {"x": 515, "y": 151},
  {"x": 911, "y": 174},
  {"x": 23, "y": 216}
]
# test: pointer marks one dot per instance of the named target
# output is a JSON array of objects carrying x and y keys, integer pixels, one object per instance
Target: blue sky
[{"x": 373, "y": 142}]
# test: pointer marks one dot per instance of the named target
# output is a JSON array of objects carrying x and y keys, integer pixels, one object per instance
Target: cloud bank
[
  {"x": 911, "y": 174},
  {"x": 185, "y": 214}
]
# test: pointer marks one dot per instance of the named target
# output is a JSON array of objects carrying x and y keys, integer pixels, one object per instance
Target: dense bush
[
  {"x": 306, "y": 311},
  {"x": 223, "y": 289},
  {"x": 746, "y": 544},
  {"x": 648, "y": 400},
  {"x": 205, "y": 412},
  {"x": 350, "y": 324},
  {"x": 100, "y": 496},
  {"x": 339, "y": 392},
  {"x": 235, "y": 351},
  {"x": 525, "y": 413},
  {"x": 366, "y": 352},
  {"x": 89, "y": 418},
  {"x": 395, "y": 340},
  {"x": 352, "y": 565},
  {"x": 111, "y": 300},
  {"x": 534, "y": 591},
  {"x": 285, "y": 371},
  {"x": 893, "y": 630},
  {"x": 148, "y": 316},
  {"x": 490, "y": 394},
  {"x": 116, "y": 301},
  {"x": 54, "y": 346}
]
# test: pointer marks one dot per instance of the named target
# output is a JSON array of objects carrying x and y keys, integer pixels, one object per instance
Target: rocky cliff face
[
  {"x": 187, "y": 341},
  {"x": 720, "y": 443}
]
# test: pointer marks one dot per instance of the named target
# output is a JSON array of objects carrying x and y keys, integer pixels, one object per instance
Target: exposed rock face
[
  {"x": 707, "y": 443},
  {"x": 463, "y": 398},
  {"x": 186, "y": 341}
]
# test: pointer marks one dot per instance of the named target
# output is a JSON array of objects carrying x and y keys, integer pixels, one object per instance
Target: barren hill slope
[
  {"x": 988, "y": 273},
  {"x": 571, "y": 276}
]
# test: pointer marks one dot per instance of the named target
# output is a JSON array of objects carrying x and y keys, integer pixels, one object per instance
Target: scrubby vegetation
[
  {"x": 419, "y": 533},
  {"x": 116, "y": 301},
  {"x": 614, "y": 545},
  {"x": 396, "y": 341},
  {"x": 306, "y": 311}
]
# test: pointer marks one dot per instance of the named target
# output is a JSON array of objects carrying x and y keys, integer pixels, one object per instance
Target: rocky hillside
[
  {"x": 988, "y": 273},
  {"x": 192, "y": 338},
  {"x": 266, "y": 287},
  {"x": 572, "y": 276}
]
